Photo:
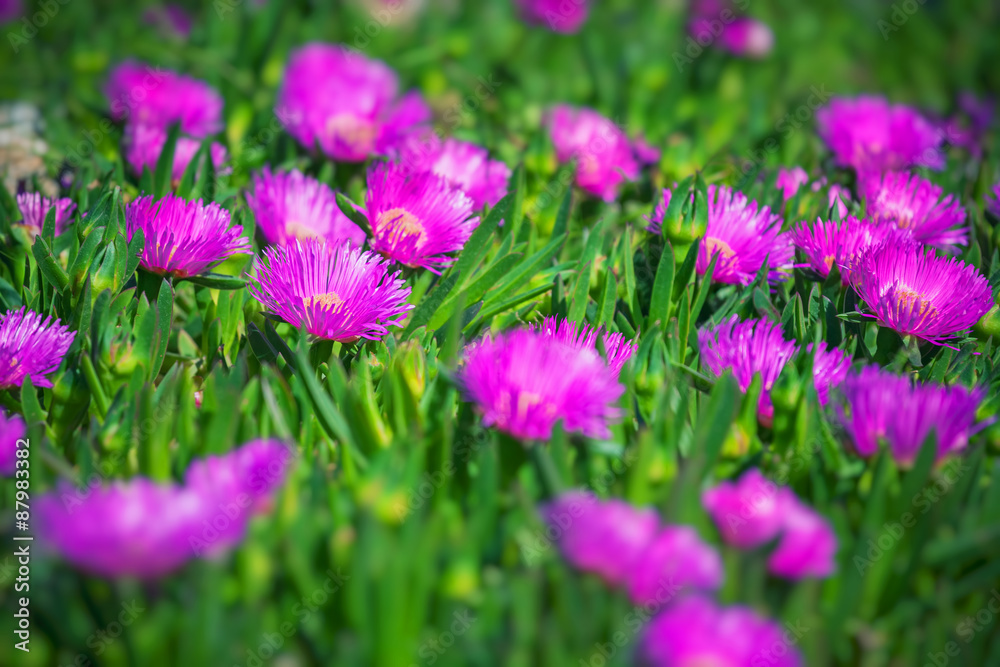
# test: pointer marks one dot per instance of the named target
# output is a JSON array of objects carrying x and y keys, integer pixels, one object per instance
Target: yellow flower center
[
  {"x": 401, "y": 223},
  {"x": 705, "y": 661},
  {"x": 908, "y": 299},
  {"x": 327, "y": 300},
  {"x": 357, "y": 133},
  {"x": 300, "y": 230},
  {"x": 718, "y": 246},
  {"x": 828, "y": 261}
]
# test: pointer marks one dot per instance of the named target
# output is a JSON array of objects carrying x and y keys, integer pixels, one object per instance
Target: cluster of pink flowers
[{"x": 149, "y": 100}]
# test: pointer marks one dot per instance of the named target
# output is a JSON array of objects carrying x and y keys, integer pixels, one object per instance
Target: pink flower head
[
  {"x": 416, "y": 219},
  {"x": 674, "y": 562},
  {"x": 829, "y": 243},
  {"x": 747, "y": 348},
  {"x": 465, "y": 166},
  {"x": 829, "y": 369},
  {"x": 914, "y": 204},
  {"x": 872, "y": 136},
  {"x": 790, "y": 180},
  {"x": 146, "y": 530},
  {"x": 993, "y": 202},
  {"x": 290, "y": 206},
  {"x": 12, "y": 429},
  {"x": 147, "y": 95},
  {"x": 743, "y": 36},
  {"x": 335, "y": 291},
  {"x": 34, "y": 208},
  {"x": 645, "y": 152},
  {"x": 183, "y": 238},
  {"x": 31, "y": 347},
  {"x": 695, "y": 631},
  {"x": 606, "y": 538},
  {"x": 143, "y": 144},
  {"x": 903, "y": 413},
  {"x": 565, "y": 16},
  {"x": 914, "y": 292},
  {"x": 603, "y": 154},
  {"x": 346, "y": 103},
  {"x": 748, "y": 513},
  {"x": 617, "y": 349},
  {"x": 808, "y": 544},
  {"x": 743, "y": 237},
  {"x": 524, "y": 381}
]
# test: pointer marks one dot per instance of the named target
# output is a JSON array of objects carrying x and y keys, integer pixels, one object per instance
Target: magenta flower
[
  {"x": 606, "y": 537},
  {"x": 416, "y": 219},
  {"x": 565, "y": 16},
  {"x": 872, "y": 136},
  {"x": 748, "y": 513},
  {"x": 829, "y": 243},
  {"x": 146, "y": 95},
  {"x": 144, "y": 143},
  {"x": 881, "y": 405},
  {"x": 645, "y": 152},
  {"x": 617, "y": 349},
  {"x": 745, "y": 349},
  {"x": 172, "y": 17},
  {"x": 524, "y": 381},
  {"x": 183, "y": 238},
  {"x": 808, "y": 544},
  {"x": 335, "y": 291},
  {"x": 695, "y": 631},
  {"x": 465, "y": 166},
  {"x": 31, "y": 347},
  {"x": 603, "y": 154},
  {"x": 346, "y": 103},
  {"x": 914, "y": 204},
  {"x": 10, "y": 10},
  {"x": 290, "y": 206},
  {"x": 914, "y": 292},
  {"x": 829, "y": 369},
  {"x": 743, "y": 36},
  {"x": 675, "y": 561},
  {"x": 993, "y": 202},
  {"x": 839, "y": 196},
  {"x": 146, "y": 530},
  {"x": 34, "y": 208},
  {"x": 12, "y": 429},
  {"x": 790, "y": 180}
]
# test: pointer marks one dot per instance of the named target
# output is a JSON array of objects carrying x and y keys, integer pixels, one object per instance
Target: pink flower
[{"x": 603, "y": 153}]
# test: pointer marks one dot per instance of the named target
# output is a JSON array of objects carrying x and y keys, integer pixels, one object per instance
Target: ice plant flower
[
  {"x": 144, "y": 143},
  {"x": 993, "y": 202},
  {"x": 172, "y": 17},
  {"x": 10, "y": 10},
  {"x": 914, "y": 204},
  {"x": 603, "y": 153},
  {"x": 565, "y": 16},
  {"x": 742, "y": 36},
  {"x": 740, "y": 235},
  {"x": 675, "y": 561},
  {"x": 603, "y": 537},
  {"x": 524, "y": 381},
  {"x": 416, "y": 219},
  {"x": 30, "y": 347},
  {"x": 183, "y": 238},
  {"x": 790, "y": 180},
  {"x": 873, "y": 136},
  {"x": 745, "y": 349},
  {"x": 880, "y": 405},
  {"x": 335, "y": 291},
  {"x": 144, "y": 95},
  {"x": 34, "y": 208},
  {"x": 808, "y": 544},
  {"x": 465, "y": 166},
  {"x": 748, "y": 513},
  {"x": 829, "y": 243},
  {"x": 290, "y": 205},
  {"x": 12, "y": 429},
  {"x": 616, "y": 347},
  {"x": 645, "y": 152},
  {"x": 914, "y": 292},
  {"x": 830, "y": 367},
  {"x": 345, "y": 103},
  {"x": 695, "y": 632}
]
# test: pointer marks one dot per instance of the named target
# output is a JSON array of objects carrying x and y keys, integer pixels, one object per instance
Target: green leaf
[
  {"x": 163, "y": 175},
  {"x": 351, "y": 211},
  {"x": 49, "y": 225},
  {"x": 422, "y": 314},
  {"x": 479, "y": 243},
  {"x": 679, "y": 196},
  {"x": 50, "y": 267},
  {"x": 659, "y": 303},
  {"x": 562, "y": 217},
  {"x": 216, "y": 281},
  {"x": 526, "y": 270},
  {"x": 164, "y": 316},
  {"x": 684, "y": 274}
]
